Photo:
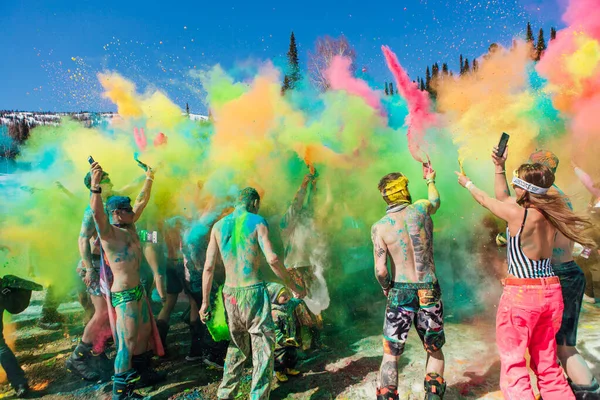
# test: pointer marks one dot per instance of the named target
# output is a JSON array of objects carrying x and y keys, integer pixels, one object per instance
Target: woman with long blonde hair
[{"x": 530, "y": 310}]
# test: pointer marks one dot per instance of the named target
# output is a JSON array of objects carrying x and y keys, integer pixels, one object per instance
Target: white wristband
[
  {"x": 470, "y": 185},
  {"x": 149, "y": 179}
]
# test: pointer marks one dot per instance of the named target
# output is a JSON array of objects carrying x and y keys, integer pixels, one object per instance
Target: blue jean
[
  {"x": 572, "y": 283},
  {"x": 9, "y": 362}
]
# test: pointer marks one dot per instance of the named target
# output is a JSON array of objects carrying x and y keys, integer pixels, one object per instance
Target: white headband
[{"x": 529, "y": 186}]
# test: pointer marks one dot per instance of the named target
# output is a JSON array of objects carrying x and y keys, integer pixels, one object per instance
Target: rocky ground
[{"x": 348, "y": 372}]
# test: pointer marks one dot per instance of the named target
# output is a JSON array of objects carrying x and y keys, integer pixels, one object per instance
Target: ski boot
[
  {"x": 80, "y": 362},
  {"x": 435, "y": 386},
  {"x": 388, "y": 393},
  {"x": 147, "y": 375},
  {"x": 586, "y": 392},
  {"x": 124, "y": 385}
]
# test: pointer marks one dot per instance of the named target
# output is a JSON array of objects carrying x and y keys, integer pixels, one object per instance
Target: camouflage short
[
  {"x": 418, "y": 303},
  {"x": 94, "y": 287}
]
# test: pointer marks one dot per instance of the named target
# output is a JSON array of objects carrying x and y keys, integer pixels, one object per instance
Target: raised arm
[
  {"x": 208, "y": 275},
  {"x": 274, "y": 262},
  {"x": 380, "y": 255},
  {"x": 587, "y": 181},
  {"x": 432, "y": 193},
  {"x": 289, "y": 218},
  {"x": 85, "y": 235},
  {"x": 502, "y": 210},
  {"x": 103, "y": 225},
  {"x": 501, "y": 189},
  {"x": 142, "y": 200}
]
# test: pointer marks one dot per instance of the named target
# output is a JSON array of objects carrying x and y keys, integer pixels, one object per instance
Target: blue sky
[{"x": 53, "y": 49}]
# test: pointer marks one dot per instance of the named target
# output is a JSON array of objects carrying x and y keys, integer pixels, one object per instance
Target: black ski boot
[
  {"x": 388, "y": 393},
  {"x": 80, "y": 362},
  {"x": 104, "y": 366},
  {"x": 124, "y": 385},
  {"x": 22, "y": 390},
  {"x": 197, "y": 341},
  {"x": 147, "y": 375},
  {"x": 586, "y": 392},
  {"x": 435, "y": 386}
]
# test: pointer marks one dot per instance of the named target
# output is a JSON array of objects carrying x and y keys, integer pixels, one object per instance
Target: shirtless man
[
  {"x": 123, "y": 251},
  {"x": 572, "y": 281},
  {"x": 237, "y": 237},
  {"x": 405, "y": 234},
  {"x": 88, "y": 359}
]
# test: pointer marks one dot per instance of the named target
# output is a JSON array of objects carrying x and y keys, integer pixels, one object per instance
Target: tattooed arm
[
  {"x": 142, "y": 200},
  {"x": 380, "y": 255},
  {"x": 274, "y": 262}
]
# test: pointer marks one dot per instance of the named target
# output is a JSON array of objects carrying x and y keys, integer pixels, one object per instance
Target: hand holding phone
[{"x": 502, "y": 145}]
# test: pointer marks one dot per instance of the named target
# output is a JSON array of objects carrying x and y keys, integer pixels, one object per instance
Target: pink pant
[{"x": 528, "y": 319}]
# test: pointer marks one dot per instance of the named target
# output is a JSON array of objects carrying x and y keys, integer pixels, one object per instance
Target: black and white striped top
[{"x": 519, "y": 264}]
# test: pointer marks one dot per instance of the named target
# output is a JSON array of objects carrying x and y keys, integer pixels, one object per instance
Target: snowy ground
[{"x": 349, "y": 372}]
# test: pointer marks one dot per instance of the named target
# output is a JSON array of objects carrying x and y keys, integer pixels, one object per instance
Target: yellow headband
[{"x": 396, "y": 191}]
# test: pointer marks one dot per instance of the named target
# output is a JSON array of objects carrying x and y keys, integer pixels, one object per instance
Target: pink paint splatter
[
  {"x": 340, "y": 78},
  {"x": 419, "y": 117},
  {"x": 160, "y": 139},
  {"x": 140, "y": 138}
]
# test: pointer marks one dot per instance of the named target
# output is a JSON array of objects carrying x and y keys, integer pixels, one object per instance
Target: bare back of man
[
  {"x": 407, "y": 236},
  {"x": 238, "y": 238}
]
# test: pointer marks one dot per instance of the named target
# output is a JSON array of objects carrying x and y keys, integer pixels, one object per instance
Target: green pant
[{"x": 252, "y": 334}]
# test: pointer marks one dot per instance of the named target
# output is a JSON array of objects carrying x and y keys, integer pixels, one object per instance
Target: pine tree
[
  {"x": 427, "y": 79},
  {"x": 541, "y": 45},
  {"x": 475, "y": 65},
  {"x": 462, "y": 68},
  {"x": 387, "y": 92},
  {"x": 467, "y": 68},
  {"x": 187, "y": 109},
  {"x": 445, "y": 69},
  {"x": 552, "y": 33},
  {"x": 391, "y": 89},
  {"x": 293, "y": 76},
  {"x": 435, "y": 71},
  {"x": 529, "y": 34},
  {"x": 422, "y": 87},
  {"x": 286, "y": 84}
]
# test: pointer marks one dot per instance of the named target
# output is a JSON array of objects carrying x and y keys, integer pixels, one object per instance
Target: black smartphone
[
  {"x": 91, "y": 160},
  {"x": 502, "y": 144}
]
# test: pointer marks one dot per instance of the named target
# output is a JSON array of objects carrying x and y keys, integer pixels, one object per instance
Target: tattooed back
[{"x": 407, "y": 238}]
